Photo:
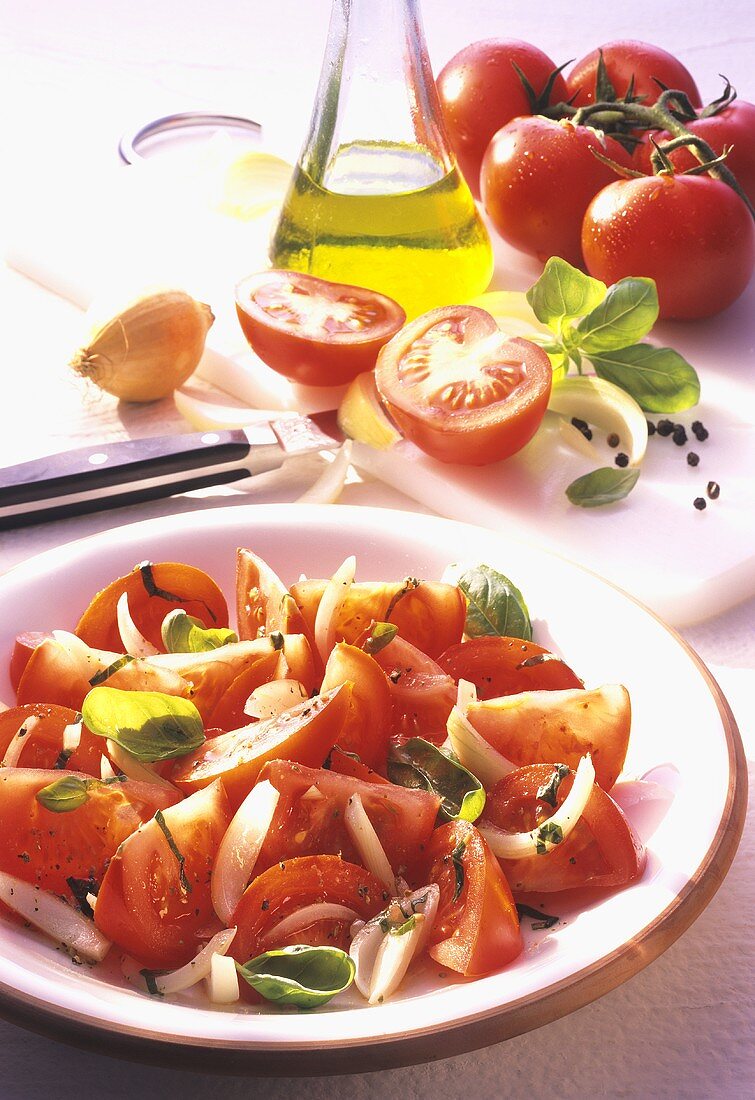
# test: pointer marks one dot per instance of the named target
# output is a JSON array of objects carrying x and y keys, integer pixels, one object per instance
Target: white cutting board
[{"x": 133, "y": 226}]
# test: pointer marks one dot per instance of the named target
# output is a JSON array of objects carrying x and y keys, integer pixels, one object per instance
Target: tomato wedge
[
  {"x": 48, "y": 848},
  {"x": 476, "y": 930},
  {"x": 43, "y": 742},
  {"x": 153, "y": 904},
  {"x": 601, "y": 849},
  {"x": 423, "y": 694},
  {"x": 25, "y": 644},
  {"x": 263, "y": 603},
  {"x": 314, "y": 331},
  {"x": 506, "y": 666},
  {"x": 367, "y": 728},
  {"x": 308, "y": 823},
  {"x": 153, "y": 590},
  {"x": 305, "y": 733},
  {"x": 460, "y": 389}
]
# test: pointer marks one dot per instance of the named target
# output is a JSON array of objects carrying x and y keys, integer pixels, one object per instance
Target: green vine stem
[{"x": 659, "y": 117}]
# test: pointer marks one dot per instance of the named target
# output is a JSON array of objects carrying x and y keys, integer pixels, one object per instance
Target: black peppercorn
[
  {"x": 613, "y": 440},
  {"x": 665, "y": 427},
  {"x": 679, "y": 436},
  {"x": 699, "y": 503},
  {"x": 621, "y": 459},
  {"x": 714, "y": 490},
  {"x": 692, "y": 458},
  {"x": 699, "y": 431},
  {"x": 651, "y": 427}
]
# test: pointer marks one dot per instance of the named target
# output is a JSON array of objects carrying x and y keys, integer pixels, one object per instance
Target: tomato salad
[{"x": 359, "y": 780}]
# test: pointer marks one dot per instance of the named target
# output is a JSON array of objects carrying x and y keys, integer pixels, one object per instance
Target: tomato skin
[
  {"x": 43, "y": 743},
  {"x": 294, "y": 884},
  {"x": 321, "y": 358},
  {"x": 142, "y": 905},
  {"x": 733, "y": 127},
  {"x": 480, "y": 91},
  {"x": 538, "y": 177},
  {"x": 366, "y": 730},
  {"x": 47, "y": 848},
  {"x": 306, "y": 733},
  {"x": 476, "y": 420},
  {"x": 403, "y": 819},
  {"x": 343, "y": 764},
  {"x": 478, "y": 933},
  {"x": 23, "y": 647},
  {"x": 423, "y": 694},
  {"x": 692, "y": 234},
  {"x": 199, "y": 596},
  {"x": 601, "y": 850},
  {"x": 494, "y": 666},
  {"x": 626, "y": 59}
]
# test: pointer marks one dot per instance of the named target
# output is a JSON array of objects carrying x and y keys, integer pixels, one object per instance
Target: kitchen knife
[{"x": 111, "y": 475}]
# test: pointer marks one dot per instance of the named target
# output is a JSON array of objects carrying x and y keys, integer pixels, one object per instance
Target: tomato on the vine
[
  {"x": 692, "y": 234},
  {"x": 628, "y": 62},
  {"x": 460, "y": 389},
  {"x": 538, "y": 177},
  {"x": 312, "y": 330},
  {"x": 480, "y": 91}
]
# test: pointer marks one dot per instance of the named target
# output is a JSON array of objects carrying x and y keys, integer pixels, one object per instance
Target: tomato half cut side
[
  {"x": 314, "y": 331},
  {"x": 476, "y": 931},
  {"x": 506, "y": 666},
  {"x": 154, "y": 590},
  {"x": 602, "y": 849},
  {"x": 460, "y": 389}
]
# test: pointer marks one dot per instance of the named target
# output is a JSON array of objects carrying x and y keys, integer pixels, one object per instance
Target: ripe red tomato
[
  {"x": 692, "y": 234},
  {"x": 538, "y": 177},
  {"x": 263, "y": 603},
  {"x": 314, "y": 331},
  {"x": 460, "y": 389},
  {"x": 733, "y": 127},
  {"x": 506, "y": 666},
  {"x": 422, "y": 693},
  {"x": 402, "y": 818},
  {"x": 25, "y": 644},
  {"x": 601, "y": 850},
  {"x": 480, "y": 91},
  {"x": 626, "y": 59},
  {"x": 305, "y": 733},
  {"x": 367, "y": 728},
  {"x": 228, "y": 713},
  {"x": 47, "y": 848},
  {"x": 154, "y": 906},
  {"x": 153, "y": 592},
  {"x": 43, "y": 743},
  {"x": 476, "y": 930}
]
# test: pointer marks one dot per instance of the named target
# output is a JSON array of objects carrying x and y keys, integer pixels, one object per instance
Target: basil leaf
[
  {"x": 418, "y": 764},
  {"x": 381, "y": 635},
  {"x": 563, "y": 293},
  {"x": 659, "y": 379},
  {"x": 64, "y": 795},
  {"x": 305, "y": 977},
  {"x": 603, "y": 486},
  {"x": 494, "y": 605},
  {"x": 459, "y": 876},
  {"x": 182, "y": 633},
  {"x": 148, "y": 724},
  {"x": 626, "y": 314}
]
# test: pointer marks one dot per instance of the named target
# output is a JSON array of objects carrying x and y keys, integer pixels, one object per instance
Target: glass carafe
[{"x": 376, "y": 199}]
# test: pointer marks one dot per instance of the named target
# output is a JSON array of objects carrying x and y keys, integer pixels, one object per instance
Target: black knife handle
[{"x": 116, "y": 464}]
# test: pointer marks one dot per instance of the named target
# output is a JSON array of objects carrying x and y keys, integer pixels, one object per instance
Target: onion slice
[
  {"x": 223, "y": 980},
  {"x": 239, "y": 848},
  {"x": 106, "y": 769},
  {"x": 17, "y": 742},
  {"x": 199, "y": 967},
  {"x": 333, "y": 599},
  {"x": 554, "y": 830},
  {"x": 278, "y": 696},
  {"x": 72, "y": 737},
  {"x": 392, "y": 961},
  {"x": 329, "y": 485},
  {"x": 50, "y": 914},
  {"x": 133, "y": 640},
  {"x": 472, "y": 750},
  {"x": 134, "y": 769},
  {"x": 367, "y": 842},
  {"x": 368, "y": 939},
  {"x": 308, "y": 914}
]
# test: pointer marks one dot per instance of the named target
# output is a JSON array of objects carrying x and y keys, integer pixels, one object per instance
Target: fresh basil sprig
[
  {"x": 494, "y": 604},
  {"x": 420, "y": 765},
  {"x": 300, "y": 976},
  {"x": 148, "y": 724},
  {"x": 182, "y": 633}
]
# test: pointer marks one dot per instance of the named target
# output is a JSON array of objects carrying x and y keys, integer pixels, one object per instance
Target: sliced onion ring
[
  {"x": 329, "y": 485},
  {"x": 240, "y": 846},
  {"x": 392, "y": 961},
  {"x": 134, "y": 769},
  {"x": 198, "y": 968},
  {"x": 17, "y": 742},
  {"x": 367, "y": 842},
  {"x": 53, "y": 916},
  {"x": 368, "y": 937},
  {"x": 133, "y": 640},
  {"x": 276, "y": 697},
  {"x": 333, "y": 599},
  {"x": 223, "y": 980},
  {"x": 308, "y": 914}
]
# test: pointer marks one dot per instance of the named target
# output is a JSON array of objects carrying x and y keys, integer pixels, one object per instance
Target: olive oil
[{"x": 390, "y": 217}]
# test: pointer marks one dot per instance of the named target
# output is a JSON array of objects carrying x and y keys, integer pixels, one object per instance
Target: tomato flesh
[
  {"x": 367, "y": 728},
  {"x": 506, "y": 666},
  {"x": 422, "y": 693},
  {"x": 43, "y": 742},
  {"x": 263, "y": 603},
  {"x": 460, "y": 389},
  {"x": 313, "y": 331}
]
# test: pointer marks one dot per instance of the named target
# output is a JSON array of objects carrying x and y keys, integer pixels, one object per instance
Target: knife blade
[{"x": 112, "y": 475}]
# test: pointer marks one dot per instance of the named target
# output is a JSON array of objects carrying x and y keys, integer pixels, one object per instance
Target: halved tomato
[
  {"x": 460, "y": 389},
  {"x": 295, "y": 884},
  {"x": 476, "y": 930},
  {"x": 155, "y": 900},
  {"x": 43, "y": 742},
  {"x": 23, "y": 647},
  {"x": 429, "y": 614},
  {"x": 601, "y": 849},
  {"x": 154, "y": 590},
  {"x": 559, "y": 727},
  {"x": 310, "y": 822},
  {"x": 506, "y": 666},
  {"x": 263, "y": 603},
  {"x": 367, "y": 728},
  {"x": 423, "y": 694},
  {"x": 314, "y": 331},
  {"x": 305, "y": 733},
  {"x": 48, "y": 848}
]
